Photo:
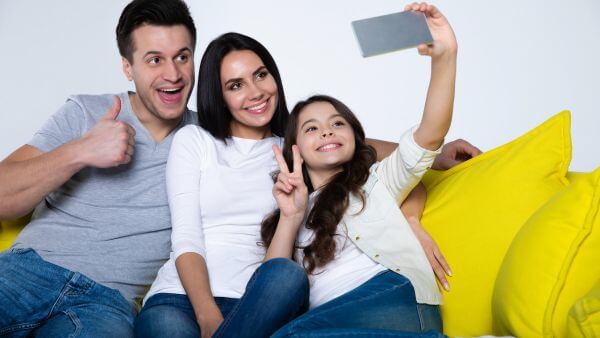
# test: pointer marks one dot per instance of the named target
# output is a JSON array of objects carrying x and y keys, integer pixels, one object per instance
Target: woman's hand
[
  {"x": 444, "y": 41},
  {"x": 290, "y": 191},
  {"x": 434, "y": 256},
  {"x": 210, "y": 321}
]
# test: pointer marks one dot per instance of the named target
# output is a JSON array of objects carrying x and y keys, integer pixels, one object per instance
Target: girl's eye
[
  {"x": 153, "y": 60},
  {"x": 338, "y": 123},
  {"x": 309, "y": 129}
]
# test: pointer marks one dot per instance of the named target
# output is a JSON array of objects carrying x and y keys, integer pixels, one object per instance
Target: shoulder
[{"x": 94, "y": 105}]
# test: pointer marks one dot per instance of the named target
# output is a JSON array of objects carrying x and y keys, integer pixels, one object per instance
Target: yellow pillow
[
  {"x": 474, "y": 210},
  {"x": 553, "y": 261},
  {"x": 584, "y": 316},
  {"x": 10, "y": 229}
]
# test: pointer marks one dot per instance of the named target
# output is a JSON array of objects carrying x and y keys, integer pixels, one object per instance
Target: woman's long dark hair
[
  {"x": 332, "y": 201},
  {"x": 213, "y": 114}
]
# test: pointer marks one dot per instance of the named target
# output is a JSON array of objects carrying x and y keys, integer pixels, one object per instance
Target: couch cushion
[
  {"x": 553, "y": 261},
  {"x": 584, "y": 316},
  {"x": 474, "y": 210}
]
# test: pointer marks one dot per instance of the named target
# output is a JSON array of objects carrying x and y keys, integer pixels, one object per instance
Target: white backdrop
[{"x": 519, "y": 62}]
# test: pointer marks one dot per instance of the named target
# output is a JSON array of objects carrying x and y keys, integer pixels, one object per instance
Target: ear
[{"x": 127, "y": 68}]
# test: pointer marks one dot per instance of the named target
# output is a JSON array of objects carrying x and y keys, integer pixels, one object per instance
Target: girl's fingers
[
  {"x": 423, "y": 49},
  {"x": 280, "y": 160},
  {"x": 297, "y": 159},
  {"x": 279, "y": 186},
  {"x": 440, "y": 258},
  {"x": 284, "y": 179}
]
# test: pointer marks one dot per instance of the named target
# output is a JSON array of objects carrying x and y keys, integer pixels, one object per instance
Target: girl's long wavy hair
[{"x": 332, "y": 201}]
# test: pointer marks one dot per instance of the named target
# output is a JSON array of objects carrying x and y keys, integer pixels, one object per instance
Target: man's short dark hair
[{"x": 151, "y": 12}]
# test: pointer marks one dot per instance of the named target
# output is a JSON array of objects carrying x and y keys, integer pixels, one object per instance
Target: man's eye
[
  {"x": 182, "y": 58},
  {"x": 153, "y": 60}
]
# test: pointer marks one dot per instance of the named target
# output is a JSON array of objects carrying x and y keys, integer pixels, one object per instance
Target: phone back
[{"x": 387, "y": 33}]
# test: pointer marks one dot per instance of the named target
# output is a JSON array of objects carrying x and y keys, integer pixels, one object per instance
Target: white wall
[{"x": 519, "y": 62}]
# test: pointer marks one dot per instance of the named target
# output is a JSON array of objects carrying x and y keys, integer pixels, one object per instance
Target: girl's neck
[{"x": 320, "y": 178}]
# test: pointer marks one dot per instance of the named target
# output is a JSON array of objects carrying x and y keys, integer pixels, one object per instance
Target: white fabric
[{"x": 218, "y": 194}]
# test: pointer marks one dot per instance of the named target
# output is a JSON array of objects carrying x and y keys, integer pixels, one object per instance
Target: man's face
[{"x": 162, "y": 69}]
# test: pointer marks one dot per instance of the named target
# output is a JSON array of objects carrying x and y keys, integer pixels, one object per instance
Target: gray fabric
[{"x": 113, "y": 225}]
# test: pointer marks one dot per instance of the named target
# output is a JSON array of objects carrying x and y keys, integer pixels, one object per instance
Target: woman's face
[
  {"x": 325, "y": 138},
  {"x": 250, "y": 93}
]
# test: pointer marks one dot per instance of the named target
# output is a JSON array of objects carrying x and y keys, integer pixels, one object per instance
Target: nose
[
  {"x": 327, "y": 133},
  {"x": 171, "y": 72},
  {"x": 256, "y": 93}
]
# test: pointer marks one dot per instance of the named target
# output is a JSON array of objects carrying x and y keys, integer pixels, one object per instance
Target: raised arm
[
  {"x": 28, "y": 174},
  {"x": 291, "y": 195},
  {"x": 437, "y": 113}
]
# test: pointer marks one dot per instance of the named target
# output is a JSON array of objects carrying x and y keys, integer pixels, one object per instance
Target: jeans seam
[
  {"x": 236, "y": 308},
  {"x": 17, "y": 327},
  {"x": 78, "y": 326},
  {"x": 392, "y": 288}
]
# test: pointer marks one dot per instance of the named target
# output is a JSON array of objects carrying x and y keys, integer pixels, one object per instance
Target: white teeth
[
  {"x": 329, "y": 146},
  {"x": 170, "y": 90},
  {"x": 259, "y": 107}
]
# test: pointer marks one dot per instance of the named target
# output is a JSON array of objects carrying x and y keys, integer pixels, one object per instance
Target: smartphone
[{"x": 388, "y": 33}]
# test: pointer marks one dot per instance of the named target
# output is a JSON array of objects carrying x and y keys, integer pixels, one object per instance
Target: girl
[{"x": 366, "y": 267}]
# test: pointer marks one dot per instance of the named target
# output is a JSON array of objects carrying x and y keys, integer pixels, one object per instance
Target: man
[{"x": 102, "y": 231}]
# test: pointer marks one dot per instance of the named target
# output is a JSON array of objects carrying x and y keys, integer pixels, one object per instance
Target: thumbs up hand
[{"x": 110, "y": 143}]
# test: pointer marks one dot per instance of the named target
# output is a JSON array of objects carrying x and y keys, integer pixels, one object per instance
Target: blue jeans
[
  {"x": 38, "y": 298},
  {"x": 384, "y": 306},
  {"x": 276, "y": 293}
]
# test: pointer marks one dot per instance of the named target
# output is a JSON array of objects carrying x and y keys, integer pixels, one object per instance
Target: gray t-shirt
[{"x": 112, "y": 225}]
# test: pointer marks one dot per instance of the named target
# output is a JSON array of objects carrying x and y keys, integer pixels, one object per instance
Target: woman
[{"x": 367, "y": 269}]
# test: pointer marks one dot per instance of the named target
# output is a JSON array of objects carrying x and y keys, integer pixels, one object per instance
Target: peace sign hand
[{"x": 290, "y": 191}]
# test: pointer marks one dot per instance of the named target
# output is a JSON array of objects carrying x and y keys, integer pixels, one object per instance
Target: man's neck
[{"x": 158, "y": 128}]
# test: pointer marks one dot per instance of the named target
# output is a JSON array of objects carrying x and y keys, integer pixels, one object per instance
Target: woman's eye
[
  {"x": 235, "y": 86},
  {"x": 262, "y": 74}
]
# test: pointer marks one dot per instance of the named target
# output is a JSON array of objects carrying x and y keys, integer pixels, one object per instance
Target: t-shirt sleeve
[
  {"x": 62, "y": 127},
  {"x": 402, "y": 170},
  {"x": 183, "y": 172}
]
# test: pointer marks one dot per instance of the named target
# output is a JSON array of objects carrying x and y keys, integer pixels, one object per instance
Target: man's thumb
[{"x": 114, "y": 110}]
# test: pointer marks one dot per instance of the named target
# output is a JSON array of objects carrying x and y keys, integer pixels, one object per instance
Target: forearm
[
  {"x": 284, "y": 239},
  {"x": 193, "y": 274},
  {"x": 414, "y": 204},
  {"x": 439, "y": 104},
  {"x": 28, "y": 175}
]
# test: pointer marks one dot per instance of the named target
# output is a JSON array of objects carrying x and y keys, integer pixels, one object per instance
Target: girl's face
[
  {"x": 325, "y": 138},
  {"x": 250, "y": 93}
]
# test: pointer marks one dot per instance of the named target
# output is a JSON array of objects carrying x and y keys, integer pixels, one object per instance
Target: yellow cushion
[
  {"x": 584, "y": 316},
  {"x": 474, "y": 210},
  {"x": 553, "y": 261},
  {"x": 10, "y": 229}
]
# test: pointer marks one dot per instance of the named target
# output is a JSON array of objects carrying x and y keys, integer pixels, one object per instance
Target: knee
[{"x": 286, "y": 273}]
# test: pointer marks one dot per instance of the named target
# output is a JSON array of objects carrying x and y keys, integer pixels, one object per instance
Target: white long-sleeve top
[
  {"x": 379, "y": 237},
  {"x": 218, "y": 194}
]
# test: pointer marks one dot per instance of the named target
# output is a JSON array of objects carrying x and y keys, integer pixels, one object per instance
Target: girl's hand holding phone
[{"x": 444, "y": 41}]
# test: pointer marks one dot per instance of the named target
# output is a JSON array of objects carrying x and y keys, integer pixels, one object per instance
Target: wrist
[{"x": 76, "y": 154}]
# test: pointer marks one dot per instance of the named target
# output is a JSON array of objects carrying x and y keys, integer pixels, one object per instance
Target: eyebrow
[
  {"x": 314, "y": 120},
  {"x": 237, "y": 79},
  {"x": 154, "y": 52}
]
